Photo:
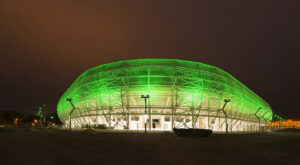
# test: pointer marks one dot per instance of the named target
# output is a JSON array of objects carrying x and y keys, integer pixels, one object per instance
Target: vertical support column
[
  {"x": 174, "y": 97},
  {"x": 109, "y": 111},
  {"x": 150, "y": 118},
  {"x": 70, "y": 122},
  {"x": 174, "y": 105},
  {"x": 239, "y": 129},
  {"x": 172, "y": 117},
  {"x": 127, "y": 99},
  {"x": 128, "y": 107},
  {"x": 149, "y": 91},
  {"x": 208, "y": 113},
  {"x": 271, "y": 127},
  {"x": 124, "y": 90},
  {"x": 208, "y": 125}
]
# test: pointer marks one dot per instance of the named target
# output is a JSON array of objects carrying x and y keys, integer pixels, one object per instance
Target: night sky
[{"x": 46, "y": 45}]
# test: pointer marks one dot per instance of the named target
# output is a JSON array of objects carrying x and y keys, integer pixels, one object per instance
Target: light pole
[
  {"x": 70, "y": 100},
  {"x": 145, "y": 97},
  {"x": 226, "y": 119},
  {"x": 266, "y": 121},
  {"x": 255, "y": 114}
]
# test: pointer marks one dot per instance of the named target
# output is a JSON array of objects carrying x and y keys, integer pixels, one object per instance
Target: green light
[
  {"x": 185, "y": 85},
  {"x": 51, "y": 117}
]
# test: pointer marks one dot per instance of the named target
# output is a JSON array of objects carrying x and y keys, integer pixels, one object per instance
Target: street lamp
[
  {"x": 255, "y": 114},
  {"x": 70, "y": 100},
  {"x": 223, "y": 109},
  {"x": 145, "y": 97}
]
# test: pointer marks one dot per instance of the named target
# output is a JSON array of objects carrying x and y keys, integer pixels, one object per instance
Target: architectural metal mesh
[{"x": 183, "y": 94}]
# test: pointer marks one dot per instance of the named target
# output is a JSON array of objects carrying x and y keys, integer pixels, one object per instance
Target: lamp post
[
  {"x": 70, "y": 100},
  {"x": 223, "y": 109},
  {"x": 266, "y": 121},
  {"x": 145, "y": 97},
  {"x": 259, "y": 108}
]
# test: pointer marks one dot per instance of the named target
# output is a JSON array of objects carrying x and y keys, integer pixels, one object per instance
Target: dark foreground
[{"x": 43, "y": 147}]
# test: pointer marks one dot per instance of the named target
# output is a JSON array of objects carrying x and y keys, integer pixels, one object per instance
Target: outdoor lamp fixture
[
  {"x": 145, "y": 97},
  {"x": 255, "y": 114},
  {"x": 223, "y": 109},
  {"x": 70, "y": 100}
]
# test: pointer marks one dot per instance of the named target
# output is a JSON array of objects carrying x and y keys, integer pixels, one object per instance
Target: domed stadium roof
[{"x": 118, "y": 85}]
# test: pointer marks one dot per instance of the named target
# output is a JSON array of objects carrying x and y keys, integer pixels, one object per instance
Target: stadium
[{"x": 159, "y": 95}]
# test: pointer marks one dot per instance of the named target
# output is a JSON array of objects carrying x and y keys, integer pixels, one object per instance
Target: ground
[{"x": 53, "y": 147}]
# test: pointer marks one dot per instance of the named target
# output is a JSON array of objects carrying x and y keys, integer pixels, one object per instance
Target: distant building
[
  {"x": 285, "y": 124},
  {"x": 182, "y": 94}
]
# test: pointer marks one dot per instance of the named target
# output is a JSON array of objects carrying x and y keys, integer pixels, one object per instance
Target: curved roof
[{"x": 213, "y": 79}]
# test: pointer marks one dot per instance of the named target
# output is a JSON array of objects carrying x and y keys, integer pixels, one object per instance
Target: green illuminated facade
[{"x": 182, "y": 94}]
